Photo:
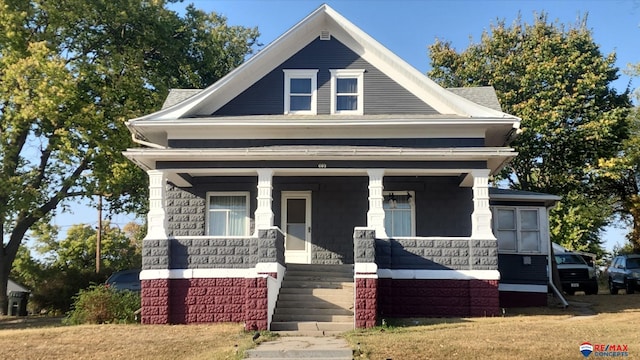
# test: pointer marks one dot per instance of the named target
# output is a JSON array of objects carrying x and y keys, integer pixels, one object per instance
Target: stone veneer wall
[
  {"x": 229, "y": 287},
  {"x": 205, "y": 300},
  {"x": 436, "y": 254},
  {"x": 414, "y": 297},
  {"x": 366, "y": 279},
  {"x": 437, "y": 298}
]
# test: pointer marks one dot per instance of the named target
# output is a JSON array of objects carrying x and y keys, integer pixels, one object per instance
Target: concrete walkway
[{"x": 303, "y": 347}]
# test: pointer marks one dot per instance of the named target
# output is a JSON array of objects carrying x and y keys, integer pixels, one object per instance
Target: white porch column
[
  {"x": 481, "y": 217},
  {"x": 375, "y": 215},
  {"x": 156, "y": 218},
  {"x": 264, "y": 212}
]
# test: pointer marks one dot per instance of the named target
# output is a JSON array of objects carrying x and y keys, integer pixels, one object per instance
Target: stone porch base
[
  {"x": 206, "y": 300},
  {"x": 437, "y": 298}
]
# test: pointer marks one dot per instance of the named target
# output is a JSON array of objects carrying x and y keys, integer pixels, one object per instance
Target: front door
[{"x": 296, "y": 223}]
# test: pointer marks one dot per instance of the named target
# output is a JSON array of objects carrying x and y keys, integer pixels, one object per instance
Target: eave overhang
[{"x": 243, "y": 127}]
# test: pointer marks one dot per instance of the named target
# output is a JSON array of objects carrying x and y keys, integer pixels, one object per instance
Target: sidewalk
[{"x": 303, "y": 347}]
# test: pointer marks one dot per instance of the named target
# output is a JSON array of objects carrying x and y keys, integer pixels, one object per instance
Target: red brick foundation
[
  {"x": 366, "y": 302},
  {"x": 193, "y": 301},
  {"x": 437, "y": 298}
]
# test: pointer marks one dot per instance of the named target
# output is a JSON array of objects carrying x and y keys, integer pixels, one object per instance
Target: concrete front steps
[{"x": 315, "y": 300}]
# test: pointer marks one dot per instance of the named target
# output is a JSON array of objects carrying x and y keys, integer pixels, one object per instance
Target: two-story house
[{"x": 327, "y": 151}]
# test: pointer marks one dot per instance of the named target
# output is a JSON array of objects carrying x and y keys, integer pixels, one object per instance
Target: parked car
[
  {"x": 624, "y": 273},
  {"x": 576, "y": 274},
  {"x": 125, "y": 280}
]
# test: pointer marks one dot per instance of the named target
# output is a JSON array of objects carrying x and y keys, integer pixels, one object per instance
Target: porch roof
[{"x": 306, "y": 160}]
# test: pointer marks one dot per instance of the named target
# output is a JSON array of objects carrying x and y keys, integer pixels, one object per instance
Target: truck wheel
[
  {"x": 591, "y": 291},
  {"x": 612, "y": 288},
  {"x": 629, "y": 287}
]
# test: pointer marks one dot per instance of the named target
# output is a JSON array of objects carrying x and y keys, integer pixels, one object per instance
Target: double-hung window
[
  {"x": 300, "y": 91},
  {"x": 399, "y": 213},
  {"x": 517, "y": 229},
  {"x": 347, "y": 91},
  {"x": 228, "y": 214}
]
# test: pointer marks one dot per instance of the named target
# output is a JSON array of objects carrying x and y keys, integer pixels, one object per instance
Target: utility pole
[{"x": 99, "y": 235}]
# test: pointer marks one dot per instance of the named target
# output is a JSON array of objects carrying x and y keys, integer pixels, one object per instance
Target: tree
[
  {"x": 72, "y": 73},
  {"x": 78, "y": 250},
  {"x": 622, "y": 173},
  {"x": 66, "y": 266},
  {"x": 556, "y": 79}
]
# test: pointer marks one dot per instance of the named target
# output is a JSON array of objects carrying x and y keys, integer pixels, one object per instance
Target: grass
[
  {"x": 528, "y": 333},
  {"x": 192, "y": 342}
]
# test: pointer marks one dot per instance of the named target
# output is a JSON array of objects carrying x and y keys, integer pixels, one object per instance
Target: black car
[
  {"x": 624, "y": 273},
  {"x": 125, "y": 280},
  {"x": 576, "y": 274}
]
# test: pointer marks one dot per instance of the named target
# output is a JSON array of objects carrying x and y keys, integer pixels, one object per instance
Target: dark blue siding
[
  {"x": 339, "y": 204},
  {"x": 443, "y": 208},
  {"x": 514, "y": 271},
  {"x": 382, "y": 95}
]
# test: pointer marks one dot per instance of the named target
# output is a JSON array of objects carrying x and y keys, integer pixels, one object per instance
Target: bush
[{"x": 99, "y": 304}]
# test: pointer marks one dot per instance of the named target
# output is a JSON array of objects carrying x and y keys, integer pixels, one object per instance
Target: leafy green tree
[
  {"x": 65, "y": 266},
  {"x": 78, "y": 249},
  {"x": 557, "y": 80},
  {"x": 73, "y": 71}
]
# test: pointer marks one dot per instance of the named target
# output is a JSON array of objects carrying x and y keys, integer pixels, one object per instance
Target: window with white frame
[
  {"x": 399, "y": 213},
  {"x": 228, "y": 214},
  {"x": 347, "y": 91},
  {"x": 300, "y": 91},
  {"x": 517, "y": 229}
]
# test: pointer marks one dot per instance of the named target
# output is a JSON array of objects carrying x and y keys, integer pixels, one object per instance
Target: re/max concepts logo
[{"x": 604, "y": 350}]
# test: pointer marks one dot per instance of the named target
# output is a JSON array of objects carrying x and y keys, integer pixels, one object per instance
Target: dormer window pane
[
  {"x": 347, "y": 91},
  {"x": 301, "y": 86},
  {"x": 300, "y": 103},
  {"x": 349, "y": 86},
  {"x": 300, "y": 91}
]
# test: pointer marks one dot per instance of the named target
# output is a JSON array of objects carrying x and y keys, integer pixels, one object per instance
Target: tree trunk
[{"x": 4, "y": 279}]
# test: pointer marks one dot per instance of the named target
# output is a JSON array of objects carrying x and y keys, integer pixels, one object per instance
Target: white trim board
[
  {"x": 162, "y": 274},
  {"x": 402, "y": 274}
]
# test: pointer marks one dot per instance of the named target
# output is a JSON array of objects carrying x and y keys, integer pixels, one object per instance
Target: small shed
[{"x": 18, "y": 297}]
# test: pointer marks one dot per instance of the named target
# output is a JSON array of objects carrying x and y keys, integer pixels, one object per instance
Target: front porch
[{"x": 448, "y": 267}]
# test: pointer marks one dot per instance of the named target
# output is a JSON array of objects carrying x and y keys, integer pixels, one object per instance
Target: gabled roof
[
  {"x": 483, "y": 95},
  {"x": 323, "y": 19},
  {"x": 176, "y": 96}
]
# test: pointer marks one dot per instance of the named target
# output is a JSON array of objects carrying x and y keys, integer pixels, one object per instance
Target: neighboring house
[
  {"x": 326, "y": 148},
  {"x": 13, "y": 286}
]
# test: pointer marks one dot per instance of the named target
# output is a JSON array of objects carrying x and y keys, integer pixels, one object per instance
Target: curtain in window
[
  {"x": 398, "y": 218},
  {"x": 350, "y": 87},
  {"x": 300, "y": 94},
  {"x": 227, "y": 215}
]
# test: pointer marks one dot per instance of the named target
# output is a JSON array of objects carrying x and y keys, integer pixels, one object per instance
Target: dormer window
[
  {"x": 347, "y": 91},
  {"x": 300, "y": 91}
]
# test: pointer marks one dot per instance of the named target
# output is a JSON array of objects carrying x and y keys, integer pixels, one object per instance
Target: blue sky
[{"x": 408, "y": 27}]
